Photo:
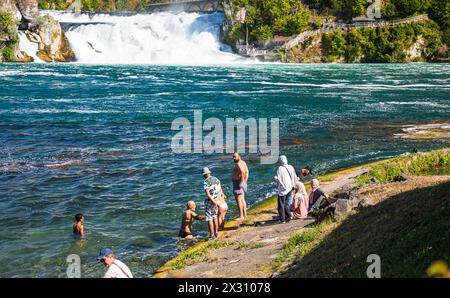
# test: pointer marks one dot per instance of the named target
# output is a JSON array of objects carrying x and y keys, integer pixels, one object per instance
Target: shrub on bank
[
  {"x": 268, "y": 18},
  {"x": 383, "y": 44},
  {"x": 99, "y": 5},
  {"x": 432, "y": 163},
  {"x": 9, "y": 37}
]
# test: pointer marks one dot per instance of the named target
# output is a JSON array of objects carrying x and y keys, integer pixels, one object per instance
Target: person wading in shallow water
[
  {"x": 239, "y": 178},
  {"x": 187, "y": 219},
  {"x": 116, "y": 269},
  {"x": 77, "y": 228}
]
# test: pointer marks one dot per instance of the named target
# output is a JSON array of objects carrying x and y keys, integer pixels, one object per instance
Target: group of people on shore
[
  {"x": 293, "y": 203},
  {"x": 215, "y": 204},
  {"x": 293, "y": 199}
]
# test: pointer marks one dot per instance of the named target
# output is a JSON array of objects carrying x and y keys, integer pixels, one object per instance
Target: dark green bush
[
  {"x": 382, "y": 44},
  {"x": 8, "y": 28}
]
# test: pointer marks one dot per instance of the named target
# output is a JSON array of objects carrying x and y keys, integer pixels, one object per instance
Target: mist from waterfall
[{"x": 157, "y": 38}]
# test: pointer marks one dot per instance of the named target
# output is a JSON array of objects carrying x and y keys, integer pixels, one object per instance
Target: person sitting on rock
[{"x": 317, "y": 195}]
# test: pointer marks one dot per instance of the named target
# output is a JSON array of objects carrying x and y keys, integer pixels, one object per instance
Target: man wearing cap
[
  {"x": 213, "y": 190},
  {"x": 116, "y": 269}
]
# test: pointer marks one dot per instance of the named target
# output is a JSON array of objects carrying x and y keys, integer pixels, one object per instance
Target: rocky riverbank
[
  {"x": 259, "y": 247},
  {"x": 311, "y": 32},
  {"x": 51, "y": 41}
]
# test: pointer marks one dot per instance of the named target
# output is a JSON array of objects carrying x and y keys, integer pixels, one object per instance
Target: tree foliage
[
  {"x": 8, "y": 32},
  {"x": 382, "y": 44},
  {"x": 99, "y": 5},
  {"x": 272, "y": 17}
]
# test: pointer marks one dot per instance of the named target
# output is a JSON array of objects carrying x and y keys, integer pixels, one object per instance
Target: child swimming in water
[
  {"x": 187, "y": 219},
  {"x": 78, "y": 229}
]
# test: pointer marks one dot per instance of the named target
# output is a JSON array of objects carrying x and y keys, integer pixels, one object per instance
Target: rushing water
[
  {"x": 109, "y": 130},
  {"x": 159, "y": 38}
]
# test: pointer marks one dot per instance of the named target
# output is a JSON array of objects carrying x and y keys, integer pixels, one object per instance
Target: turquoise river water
[{"x": 96, "y": 139}]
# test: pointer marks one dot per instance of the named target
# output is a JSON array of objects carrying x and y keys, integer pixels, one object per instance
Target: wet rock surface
[{"x": 53, "y": 44}]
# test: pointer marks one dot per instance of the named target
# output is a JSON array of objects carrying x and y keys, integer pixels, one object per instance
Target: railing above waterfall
[{"x": 186, "y": 6}]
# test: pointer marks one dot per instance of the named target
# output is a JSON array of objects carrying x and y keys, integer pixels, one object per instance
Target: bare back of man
[
  {"x": 187, "y": 220},
  {"x": 239, "y": 178}
]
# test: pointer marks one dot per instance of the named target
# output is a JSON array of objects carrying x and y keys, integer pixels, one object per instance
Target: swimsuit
[
  {"x": 236, "y": 189},
  {"x": 224, "y": 205},
  {"x": 183, "y": 234}
]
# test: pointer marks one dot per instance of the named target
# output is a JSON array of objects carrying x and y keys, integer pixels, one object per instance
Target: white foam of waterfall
[
  {"x": 28, "y": 47},
  {"x": 158, "y": 38}
]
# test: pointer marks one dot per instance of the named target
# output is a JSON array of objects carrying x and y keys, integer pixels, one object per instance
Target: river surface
[{"x": 96, "y": 139}]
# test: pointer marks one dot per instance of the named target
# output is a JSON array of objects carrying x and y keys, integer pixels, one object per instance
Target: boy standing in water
[
  {"x": 187, "y": 219},
  {"x": 78, "y": 229}
]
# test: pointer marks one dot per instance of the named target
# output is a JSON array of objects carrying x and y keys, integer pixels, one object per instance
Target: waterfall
[
  {"x": 157, "y": 38},
  {"x": 28, "y": 47}
]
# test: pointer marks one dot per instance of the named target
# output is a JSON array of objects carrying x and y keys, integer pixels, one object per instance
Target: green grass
[
  {"x": 200, "y": 254},
  {"x": 247, "y": 246},
  {"x": 193, "y": 256},
  {"x": 408, "y": 231},
  {"x": 300, "y": 244},
  {"x": 291, "y": 251},
  {"x": 430, "y": 163}
]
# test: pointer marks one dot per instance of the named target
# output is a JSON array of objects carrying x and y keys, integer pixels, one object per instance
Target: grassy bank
[
  {"x": 431, "y": 163},
  {"x": 301, "y": 245},
  {"x": 409, "y": 232}
]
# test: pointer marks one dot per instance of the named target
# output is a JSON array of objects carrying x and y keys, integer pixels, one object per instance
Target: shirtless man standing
[
  {"x": 240, "y": 177},
  {"x": 188, "y": 218}
]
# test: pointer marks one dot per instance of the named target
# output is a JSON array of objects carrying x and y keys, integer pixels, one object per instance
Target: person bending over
[{"x": 187, "y": 220}]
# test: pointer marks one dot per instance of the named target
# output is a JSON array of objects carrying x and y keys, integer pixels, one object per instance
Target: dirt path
[{"x": 256, "y": 242}]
